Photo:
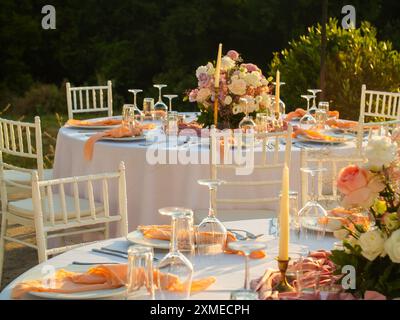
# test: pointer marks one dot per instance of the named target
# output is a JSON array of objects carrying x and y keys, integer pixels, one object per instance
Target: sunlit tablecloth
[{"x": 228, "y": 269}]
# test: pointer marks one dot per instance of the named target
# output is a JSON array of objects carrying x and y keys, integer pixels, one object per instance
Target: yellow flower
[{"x": 380, "y": 206}]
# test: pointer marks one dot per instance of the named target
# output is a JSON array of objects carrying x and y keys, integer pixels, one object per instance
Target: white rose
[
  {"x": 392, "y": 246},
  {"x": 228, "y": 100},
  {"x": 238, "y": 87},
  {"x": 380, "y": 151},
  {"x": 259, "y": 99},
  {"x": 210, "y": 69},
  {"x": 200, "y": 70},
  {"x": 266, "y": 100},
  {"x": 372, "y": 244},
  {"x": 264, "y": 82},
  {"x": 253, "y": 79},
  {"x": 391, "y": 221},
  {"x": 227, "y": 63},
  {"x": 203, "y": 95}
]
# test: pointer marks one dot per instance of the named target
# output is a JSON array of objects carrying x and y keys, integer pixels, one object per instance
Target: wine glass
[
  {"x": 314, "y": 92},
  {"x": 175, "y": 267},
  {"x": 247, "y": 123},
  {"x": 211, "y": 233},
  {"x": 135, "y": 92},
  {"x": 170, "y": 97},
  {"x": 308, "y": 97},
  {"x": 160, "y": 108},
  {"x": 247, "y": 247},
  {"x": 312, "y": 216},
  {"x": 307, "y": 120}
]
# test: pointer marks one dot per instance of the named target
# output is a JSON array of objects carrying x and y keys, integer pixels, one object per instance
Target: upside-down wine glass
[
  {"x": 175, "y": 267},
  {"x": 312, "y": 217},
  {"x": 170, "y": 97},
  {"x": 211, "y": 233},
  {"x": 160, "y": 108},
  {"x": 247, "y": 123},
  {"x": 314, "y": 92},
  {"x": 247, "y": 247},
  {"x": 308, "y": 97}
]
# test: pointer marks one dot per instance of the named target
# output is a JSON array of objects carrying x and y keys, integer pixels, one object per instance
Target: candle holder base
[{"x": 283, "y": 285}]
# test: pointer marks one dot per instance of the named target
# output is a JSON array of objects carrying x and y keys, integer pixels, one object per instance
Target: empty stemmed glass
[
  {"x": 308, "y": 97},
  {"x": 160, "y": 108},
  {"x": 170, "y": 97},
  {"x": 211, "y": 233},
  {"x": 247, "y": 247},
  {"x": 314, "y": 92},
  {"x": 175, "y": 267},
  {"x": 312, "y": 217}
]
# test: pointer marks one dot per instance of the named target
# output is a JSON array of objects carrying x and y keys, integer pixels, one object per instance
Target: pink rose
[
  {"x": 204, "y": 80},
  {"x": 250, "y": 67},
  {"x": 233, "y": 54},
  {"x": 359, "y": 186},
  {"x": 193, "y": 95}
]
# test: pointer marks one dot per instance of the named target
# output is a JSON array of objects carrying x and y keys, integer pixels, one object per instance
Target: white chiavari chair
[
  {"x": 264, "y": 174},
  {"x": 89, "y": 99},
  {"x": 57, "y": 210},
  {"x": 325, "y": 181},
  {"x": 367, "y": 130},
  {"x": 22, "y": 140}
]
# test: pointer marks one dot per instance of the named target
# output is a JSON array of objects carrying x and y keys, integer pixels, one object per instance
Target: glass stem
[
  {"x": 134, "y": 100},
  {"x": 312, "y": 193},
  {"x": 246, "y": 272},
  {"x": 211, "y": 211},
  {"x": 174, "y": 236},
  {"x": 159, "y": 96}
]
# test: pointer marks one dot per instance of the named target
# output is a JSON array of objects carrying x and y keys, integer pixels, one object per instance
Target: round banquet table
[
  {"x": 152, "y": 186},
  {"x": 228, "y": 269}
]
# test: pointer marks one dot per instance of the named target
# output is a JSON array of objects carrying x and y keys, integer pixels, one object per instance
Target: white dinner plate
[
  {"x": 137, "y": 237},
  {"x": 316, "y": 227},
  {"x": 92, "y": 127},
  {"x": 86, "y": 295}
]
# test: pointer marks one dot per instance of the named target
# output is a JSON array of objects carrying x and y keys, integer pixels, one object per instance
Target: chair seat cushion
[
  {"x": 15, "y": 193},
  {"x": 24, "y": 208},
  {"x": 24, "y": 177}
]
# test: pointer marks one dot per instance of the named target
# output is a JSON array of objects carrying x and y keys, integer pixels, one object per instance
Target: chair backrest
[
  {"x": 47, "y": 193},
  {"x": 367, "y": 130},
  {"x": 21, "y": 139},
  {"x": 325, "y": 183},
  {"x": 89, "y": 99},
  {"x": 379, "y": 104},
  {"x": 270, "y": 158}
]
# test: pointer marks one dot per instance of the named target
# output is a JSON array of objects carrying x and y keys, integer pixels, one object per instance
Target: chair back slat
[
  {"x": 63, "y": 203},
  {"x": 226, "y": 157},
  {"x": 91, "y": 199},
  {"x": 28, "y": 140},
  {"x": 50, "y": 205},
  {"x": 20, "y": 139},
  {"x": 105, "y": 199},
  {"x": 84, "y": 99},
  {"x": 76, "y": 201},
  {"x": 378, "y": 104}
]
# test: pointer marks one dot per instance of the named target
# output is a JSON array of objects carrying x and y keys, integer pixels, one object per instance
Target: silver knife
[{"x": 111, "y": 253}]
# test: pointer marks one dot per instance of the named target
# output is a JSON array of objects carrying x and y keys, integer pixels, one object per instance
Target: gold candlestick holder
[{"x": 283, "y": 285}]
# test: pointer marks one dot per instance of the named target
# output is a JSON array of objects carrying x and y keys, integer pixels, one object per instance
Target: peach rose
[{"x": 359, "y": 186}]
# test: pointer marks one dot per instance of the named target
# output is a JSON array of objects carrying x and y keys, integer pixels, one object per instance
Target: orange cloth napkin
[
  {"x": 334, "y": 123},
  {"x": 119, "y": 132},
  {"x": 314, "y": 135},
  {"x": 299, "y": 113},
  {"x": 163, "y": 232},
  {"x": 105, "y": 122},
  {"x": 101, "y": 277}
]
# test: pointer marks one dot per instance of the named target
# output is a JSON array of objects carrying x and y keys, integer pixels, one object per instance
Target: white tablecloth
[
  {"x": 151, "y": 187},
  {"x": 228, "y": 269}
]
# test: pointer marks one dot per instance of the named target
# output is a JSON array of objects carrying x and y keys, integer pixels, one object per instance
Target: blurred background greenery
[{"x": 136, "y": 43}]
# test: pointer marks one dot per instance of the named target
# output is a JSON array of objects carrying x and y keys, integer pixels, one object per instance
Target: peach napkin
[
  {"x": 101, "y": 277},
  {"x": 338, "y": 124},
  {"x": 118, "y": 132},
  {"x": 314, "y": 135},
  {"x": 163, "y": 232},
  {"x": 105, "y": 122},
  {"x": 299, "y": 113}
]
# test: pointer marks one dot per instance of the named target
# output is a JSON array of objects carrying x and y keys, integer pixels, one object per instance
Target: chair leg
[
  {"x": 2, "y": 243},
  {"x": 42, "y": 247},
  {"x": 107, "y": 231}
]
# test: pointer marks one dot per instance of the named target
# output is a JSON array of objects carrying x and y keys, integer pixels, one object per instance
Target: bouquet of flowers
[
  {"x": 373, "y": 251},
  {"x": 237, "y": 80}
]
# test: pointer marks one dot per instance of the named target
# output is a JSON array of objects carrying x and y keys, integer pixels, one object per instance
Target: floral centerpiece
[
  {"x": 373, "y": 251},
  {"x": 237, "y": 80}
]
